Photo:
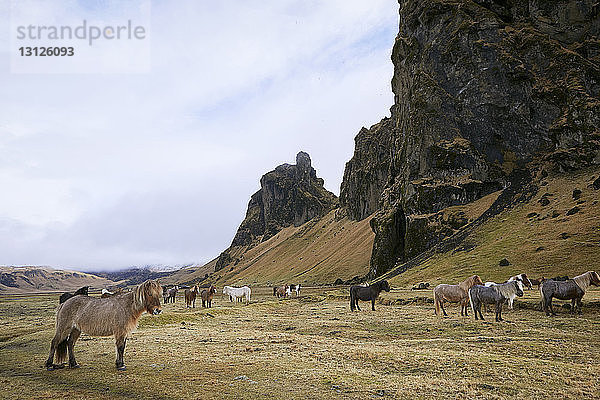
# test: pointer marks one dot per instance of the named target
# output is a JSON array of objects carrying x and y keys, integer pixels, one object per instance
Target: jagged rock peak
[
  {"x": 288, "y": 195},
  {"x": 303, "y": 161}
]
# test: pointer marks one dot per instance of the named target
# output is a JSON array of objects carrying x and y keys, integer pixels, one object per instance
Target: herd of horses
[
  {"x": 117, "y": 313},
  {"x": 476, "y": 293},
  {"x": 286, "y": 290}
]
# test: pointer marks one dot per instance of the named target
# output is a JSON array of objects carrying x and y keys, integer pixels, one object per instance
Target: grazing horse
[
  {"x": 572, "y": 289},
  {"x": 235, "y": 292},
  {"x": 366, "y": 293},
  {"x": 495, "y": 294},
  {"x": 171, "y": 293},
  {"x": 537, "y": 282},
  {"x": 190, "y": 296},
  {"x": 282, "y": 291},
  {"x": 114, "y": 316},
  {"x": 66, "y": 296},
  {"x": 207, "y": 296},
  {"x": 454, "y": 294}
]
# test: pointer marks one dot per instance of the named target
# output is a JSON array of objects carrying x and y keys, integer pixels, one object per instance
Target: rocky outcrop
[
  {"x": 482, "y": 89},
  {"x": 288, "y": 195}
]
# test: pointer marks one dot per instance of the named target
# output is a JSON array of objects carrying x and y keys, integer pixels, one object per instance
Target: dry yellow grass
[
  {"x": 319, "y": 251},
  {"x": 308, "y": 348}
]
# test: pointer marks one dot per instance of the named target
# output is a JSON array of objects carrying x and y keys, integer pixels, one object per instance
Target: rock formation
[
  {"x": 288, "y": 195},
  {"x": 483, "y": 90}
]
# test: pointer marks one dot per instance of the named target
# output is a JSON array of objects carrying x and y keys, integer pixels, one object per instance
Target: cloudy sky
[{"x": 108, "y": 170}]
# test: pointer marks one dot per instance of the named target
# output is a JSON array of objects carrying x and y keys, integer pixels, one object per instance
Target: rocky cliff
[
  {"x": 484, "y": 91},
  {"x": 288, "y": 195}
]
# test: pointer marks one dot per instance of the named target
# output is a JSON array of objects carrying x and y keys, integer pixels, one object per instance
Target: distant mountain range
[{"x": 25, "y": 279}]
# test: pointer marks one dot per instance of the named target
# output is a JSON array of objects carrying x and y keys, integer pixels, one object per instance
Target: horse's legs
[
  {"x": 479, "y": 310},
  {"x": 120, "y": 343},
  {"x": 70, "y": 344},
  {"x": 579, "y": 306},
  {"x": 510, "y": 303},
  {"x": 373, "y": 304},
  {"x": 50, "y": 360},
  {"x": 573, "y": 306},
  {"x": 549, "y": 302},
  {"x": 499, "y": 311},
  {"x": 443, "y": 309}
]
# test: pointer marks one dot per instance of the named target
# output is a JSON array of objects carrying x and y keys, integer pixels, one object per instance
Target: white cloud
[{"x": 109, "y": 170}]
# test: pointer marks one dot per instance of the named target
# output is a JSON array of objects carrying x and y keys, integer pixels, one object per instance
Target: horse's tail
[
  {"x": 543, "y": 302},
  {"x": 471, "y": 300},
  {"x": 436, "y": 302},
  {"x": 61, "y": 351},
  {"x": 352, "y": 296}
]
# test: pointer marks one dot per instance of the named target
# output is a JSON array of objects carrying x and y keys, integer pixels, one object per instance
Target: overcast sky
[{"x": 105, "y": 171}]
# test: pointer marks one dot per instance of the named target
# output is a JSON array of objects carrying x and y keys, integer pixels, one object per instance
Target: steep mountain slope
[
  {"x": 554, "y": 233},
  {"x": 320, "y": 251},
  {"x": 44, "y": 279},
  {"x": 489, "y": 95}
]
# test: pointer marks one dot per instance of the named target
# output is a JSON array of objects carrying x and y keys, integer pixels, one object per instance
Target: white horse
[
  {"x": 521, "y": 278},
  {"x": 235, "y": 293},
  {"x": 297, "y": 289}
]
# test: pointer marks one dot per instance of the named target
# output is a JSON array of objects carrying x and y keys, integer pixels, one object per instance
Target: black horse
[
  {"x": 367, "y": 293},
  {"x": 66, "y": 296}
]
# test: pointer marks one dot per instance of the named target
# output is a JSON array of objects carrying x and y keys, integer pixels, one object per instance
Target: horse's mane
[
  {"x": 146, "y": 289},
  {"x": 469, "y": 282},
  {"x": 507, "y": 289},
  {"x": 584, "y": 280}
]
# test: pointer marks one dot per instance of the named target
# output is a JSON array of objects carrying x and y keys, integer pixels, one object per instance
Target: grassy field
[{"x": 311, "y": 347}]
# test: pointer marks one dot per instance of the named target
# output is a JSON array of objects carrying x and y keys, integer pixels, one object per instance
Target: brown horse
[
  {"x": 190, "y": 296},
  {"x": 281, "y": 291},
  {"x": 537, "y": 282},
  {"x": 454, "y": 294},
  {"x": 207, "y": 296},
  {"x": 114, "y": 316}
]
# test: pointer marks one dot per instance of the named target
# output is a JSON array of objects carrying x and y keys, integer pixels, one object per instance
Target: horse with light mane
[
  {"x": 207, "y": 296},
  {"x": 114, "y": 316},
  {"x": 190, "y": 296},
  {"x": 571, "y": 289},
  {"x": 454, "y": 294},
  {"x": 495, "y": 294},
  {"x": 235, "y": 292},
  {"x": 366, "y": 293}
]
